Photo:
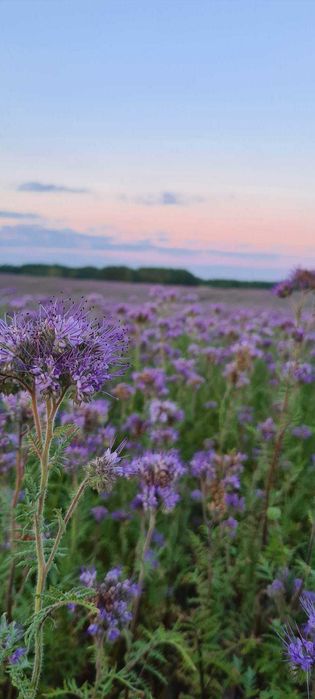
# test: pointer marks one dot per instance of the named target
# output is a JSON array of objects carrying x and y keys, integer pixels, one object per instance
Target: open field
[
  {"x": 134, "y": 293},
  {"x": 156, "y": 493}
]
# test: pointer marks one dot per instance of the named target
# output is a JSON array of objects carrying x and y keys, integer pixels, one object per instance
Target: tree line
[{"x": 150, "y": 275}]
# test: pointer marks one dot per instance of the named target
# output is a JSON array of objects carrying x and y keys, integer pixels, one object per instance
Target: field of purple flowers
[{"x": 157, "y": 479}]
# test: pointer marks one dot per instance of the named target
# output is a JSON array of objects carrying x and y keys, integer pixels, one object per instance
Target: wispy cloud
[
  {"x": 27, "y": 242},
  {"x": 17, "y": 215},
  {"x": 36, "y": 236},
  {"x": 165, "y": 198},
  {"x": 43, "y": 187},
  {"x": 240, "y": 255}
]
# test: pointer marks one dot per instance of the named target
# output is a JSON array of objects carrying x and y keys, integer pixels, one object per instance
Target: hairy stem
[
  {"x": 62, "y": 526},
  {"x": 18, "y": 483},
  {"x": 39, "y": 528}
]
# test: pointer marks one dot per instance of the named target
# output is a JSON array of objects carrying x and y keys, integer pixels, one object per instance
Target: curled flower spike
[
  {"x": 113, "y": 598},
  {"x": 103, "y": 471}
]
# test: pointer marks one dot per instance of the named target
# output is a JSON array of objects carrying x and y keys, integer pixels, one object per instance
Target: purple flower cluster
[
  {"x": 157, "y": 474},
  {"x": 150, "y": 381},
  {"x": 57, "y": 348},
  {"x": 300, "y": 645},
  {"x": 203, "y": 464},
  {"x": 267, "y": 429},
  {"x": 92, "y": 437},
  {"x": 103, "y": 471},
  {"x": 163, "y": 415},
  {"x": 302, "y": 432},
  {"x": 113, "y": 597},
  {"x": 220, "y": 483},
  {"x": 302, "y": 372},
  {"x": 11, "y": 635},
  {"x": 164, "y": 412},
  {"x": 299, "y": 280}
]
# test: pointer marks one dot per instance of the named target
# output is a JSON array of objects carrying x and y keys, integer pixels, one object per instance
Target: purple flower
[
  {"x": 99, "y": 512},
  {"x": 203, "y": 464},
  {"x": 211, "y": 404},
  {"x": 230, "y": 524},
  {"x": 135, "y": 425},
  {"x": 196, "y": 495},
  {"x": 267, "y": 429},
  {"x": 304, "y": 373},
  {"x": 151, "y": 560},
  {"x": 302, "y": 432},
  {"x": 235, "y": 501},
  {"x": 120, "y": 516},
  {"x": 157, "y": 474},
  {"x": 163, "y": 436},
  {"x": 308, "y": 606},
  {"x": 88, "y": 416},
  {"x": 275, "y": 588},
  {"x": 151, "y": 381},
  {"x": 57, "y": 348},
  {"x": 113, "y": 599},
  {"x": 17, "y": 655},
  {"x": 300, "y": 647},
  {"x": 88, "y": 576},
  {"x": 301, "y": 372},
  {"x": 283, "y": 289},
  {"x": 164, "y": 412},
  {"x": 103, "y": 471},
  {"x": 245, "y": 414},
  {"x": 300, "y": 652}
]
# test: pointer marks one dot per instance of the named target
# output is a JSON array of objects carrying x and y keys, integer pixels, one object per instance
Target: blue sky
[{"x": 177, "y": 133}]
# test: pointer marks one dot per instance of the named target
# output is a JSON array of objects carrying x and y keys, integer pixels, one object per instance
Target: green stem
[
  {"x": 18, "y": 484},
  {"x": 73, "y": 528},
  {"x": 38, "y": 529},
  {"x": 99, "y": 662},
  {"x": 146, "y": 546},
  {"x": 223, "y": 413},
  {"x": 207, "y": 527},
  {"x": 62, "y": 526},
  {"x": 273, "y": 465}
]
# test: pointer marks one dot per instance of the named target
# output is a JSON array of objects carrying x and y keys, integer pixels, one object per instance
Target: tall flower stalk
[{"x": 54, "y": 352}]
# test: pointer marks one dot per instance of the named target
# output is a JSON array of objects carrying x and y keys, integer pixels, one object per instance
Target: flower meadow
[{"x": 157, "y": 480}]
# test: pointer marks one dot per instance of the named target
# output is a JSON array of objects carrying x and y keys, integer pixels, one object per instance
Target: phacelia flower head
[
  {"x": 164, "y": 412},
  {"x": 113, "y": 598},
  {"x": 300, "y": 651},
  {"x": 11, "y": 635},
  {"x": 300, "y": 645},
  {"x": 103, "y": 471},
  {"x": 88, "y": 576},
  {"x": 267, "y": 429},
  {"x": 56, "y": 348},
  {"x": 17, "y": 655},
  {"x": 157, "y": 473},
  {"x": 299, "y": 280},
  {"x": 203, "y": 464},
  {"x": 302, "y": 432}
]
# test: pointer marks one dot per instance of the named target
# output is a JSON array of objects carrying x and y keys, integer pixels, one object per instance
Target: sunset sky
[{"x": 173, "y": 133}]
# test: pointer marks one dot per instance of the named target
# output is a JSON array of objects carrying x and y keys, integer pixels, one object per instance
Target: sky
[{"x": 159, "y": 133}]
